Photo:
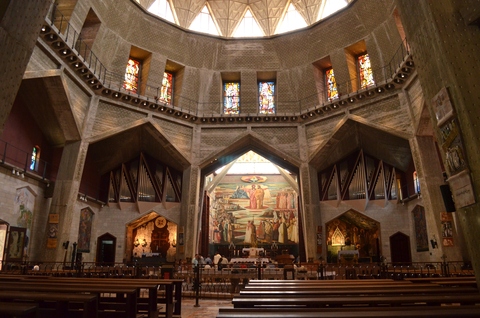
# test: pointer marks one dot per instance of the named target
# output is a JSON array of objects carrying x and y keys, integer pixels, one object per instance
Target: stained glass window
[
  {"x": 266, "y": 97},
  {"x": 132, "y": 75},
  {"x": 331, "y": 84},
  {"x": 166, "y": 90},
  {"x": 34, "y": 158},
  {"x": 231, "y": 98},
  {"x": 365, "y": 70},
  {"x": 416, "y": 182}
]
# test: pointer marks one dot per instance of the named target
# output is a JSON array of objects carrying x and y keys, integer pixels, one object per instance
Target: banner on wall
[{"x": 447, "y": 228}]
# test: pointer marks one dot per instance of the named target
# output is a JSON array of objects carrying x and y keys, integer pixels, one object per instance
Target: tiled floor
[{"x": 208, "y": 308}]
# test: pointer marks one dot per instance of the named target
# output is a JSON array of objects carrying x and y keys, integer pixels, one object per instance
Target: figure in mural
[
  {"x": 282, "y": 232},
  {"x": 253, "y": 200},
  {"x": 259, "y": 194},
  {"x": 250, "y": 233},
  {"x": 239, "y": 193}
]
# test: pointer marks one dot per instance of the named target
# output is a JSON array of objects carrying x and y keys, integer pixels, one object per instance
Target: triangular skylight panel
[
  {"x": 162, "y": 9},
  {"x": 204, "y": 23},
  {"x": 331, "y": 6},
  {"x": 292, "y": 20},
  {"x": 248, "y": 27}
]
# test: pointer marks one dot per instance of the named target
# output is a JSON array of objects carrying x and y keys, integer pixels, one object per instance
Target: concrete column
[
  {"x": 21, "y": 22},
  {"x": 309, "y": 197},
  {"x": 65, "y": 196}
]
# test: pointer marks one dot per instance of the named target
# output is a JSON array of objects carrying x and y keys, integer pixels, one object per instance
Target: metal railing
[
  {"x": 114, "y": 81},
  {"x": 222, "y": 283},
  {"x": 20, "y": 162}
]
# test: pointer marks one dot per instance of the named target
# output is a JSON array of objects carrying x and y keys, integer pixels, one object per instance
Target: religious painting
[
  {"x": 453, "y": 147},
  {"x": 447, "y": 228},
  {"x": 85, "y": 230},
  {"x": 420, "y": 224},
  {"x": 253, "y": 210},
  {"x": 442, "y": 106},
  {"x": 16, "y": 244}
]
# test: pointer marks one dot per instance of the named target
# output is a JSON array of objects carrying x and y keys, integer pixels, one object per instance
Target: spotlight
[
  {"x": 230, "y": 119},
  {"x": 213, "y": 119},
  {"x": 398, "y": 80},
  {"x": 351, "y": 99},
  {"x": 326, "y": 108},
  {"x": 335, "y": 106},
  {"x": 370, "y": 93},
  {"x": 204, "y": 120},
  {"x": 294, "y": 118},
  {"x": 170, "y": 111},
  {"x": 116, "y": 95},
  {"x": 257, "y": 119},
  {"x": 303, "y": 116},
  {"x": 136, "y": 100},
  {"x": 162, "y": 108},
  {"x": 194, "y": 118},
  {"x": 144, "y": 103},
  {"x": 72, "y": 58},
  {"x": 379, "y": 89},
  {"x": 58, "y": 44},
  {"x": 98, "y": 86},
  {"x": 284, "y": 118},
  {"x": 126, "y": 97},
  {"x": 318, "y": 111},
  {"x": 361, "y": 96},
  {"x": 266, "y": 118},
  {"x": 221, "y": 119},
  {"x": 186, "y": 116},
  {"x": 342, "y": 102},
  {"x": 311, "y": 114},
  {"x": 178, "y": 114},
  {"x": 45, "y": 29},
  {"x": 153, "y": 106},
  {"x": 389, "y": 86},
  {"x": 410, "y": 63},
  {"x": 51, "y": 37},
  {"x": 248, "y": 119},
  {"x": 275, "y": 118},
  {"x": 240, "y": 119}
]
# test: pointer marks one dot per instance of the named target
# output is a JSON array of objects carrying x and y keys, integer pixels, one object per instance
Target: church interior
[{"x": 128, "y": 137}]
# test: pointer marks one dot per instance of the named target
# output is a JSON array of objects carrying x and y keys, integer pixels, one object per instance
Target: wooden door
[{"x": 400, "y": 248}]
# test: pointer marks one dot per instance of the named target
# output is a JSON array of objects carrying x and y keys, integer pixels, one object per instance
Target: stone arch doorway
[
  {"x": 106, "y": 249},
  {"x": 353, "y": 237},
  {"x": 400, "y": 248}
]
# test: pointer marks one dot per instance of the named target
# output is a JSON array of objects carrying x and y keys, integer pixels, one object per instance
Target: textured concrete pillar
[
  {"x": 310, "y": 199},
  {"x": 21, "y": 22},
  {"x": 65, "y": 197}
]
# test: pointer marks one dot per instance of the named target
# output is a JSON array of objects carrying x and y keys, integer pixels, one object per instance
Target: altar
[
  {"x": 261, "y": 260},
  {"x": 253, "y": 251},
  {"x": 348, "y": 255}
]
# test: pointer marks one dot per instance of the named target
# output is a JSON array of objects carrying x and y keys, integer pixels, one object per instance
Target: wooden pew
[
  {"x": 18, "y": 310},
  {"x": 356, "y": 292},
  {"x": 170, "y": 297},
  {"x": 370, "y": 312},
  {"x": 368, "y": 300},
  {"x": 126, "y": 296},
  {"x": 60, "y": 299}
]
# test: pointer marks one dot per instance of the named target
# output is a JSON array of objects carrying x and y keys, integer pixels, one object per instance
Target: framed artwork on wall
[
  {"x": 16, "y": 243},
  {"x": 442, "y": 106}
]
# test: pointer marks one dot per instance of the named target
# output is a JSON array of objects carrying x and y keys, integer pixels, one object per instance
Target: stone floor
[{"x": 208, "y": 308}]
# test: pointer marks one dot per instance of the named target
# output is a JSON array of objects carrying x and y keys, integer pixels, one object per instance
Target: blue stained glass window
[
  {"x": 231, "y": 98},
  {"x": 332, "y": 91},
  {"x": 34, "y": 158},
  {"x": 365, "y": 70},
  {"x": 266, "y": 97}
]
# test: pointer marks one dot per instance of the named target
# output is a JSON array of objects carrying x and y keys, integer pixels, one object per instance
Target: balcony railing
[{"x": 83, "y": 56}]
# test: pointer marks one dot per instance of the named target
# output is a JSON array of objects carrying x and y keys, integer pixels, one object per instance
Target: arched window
[
  {"x": 34, "y": 159},
  {"x": 266, "y": 97}
]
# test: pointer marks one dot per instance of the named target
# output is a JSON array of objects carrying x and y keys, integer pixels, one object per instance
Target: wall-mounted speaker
[{"x": 447, "y": 198}]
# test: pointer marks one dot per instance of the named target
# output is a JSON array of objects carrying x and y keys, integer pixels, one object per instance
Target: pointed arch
[
  {"x": 205, "y": 22},
  {"x": 248, "y": 26}
]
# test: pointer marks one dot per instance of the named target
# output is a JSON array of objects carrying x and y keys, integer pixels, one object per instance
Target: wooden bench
[
  {"x": 370, "y": 312},
  {"x": 338, "y": 301},
  {"x": 18, "y": 310},
  {"x": 125, "y": 300},
  {"x": 160, "y": 291},
  {"x": 61, "y": 300},
  {"x": 356, "y": 292}
]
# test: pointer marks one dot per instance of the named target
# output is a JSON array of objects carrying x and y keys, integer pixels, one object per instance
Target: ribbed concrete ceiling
[{"x": 228, "y": 13}]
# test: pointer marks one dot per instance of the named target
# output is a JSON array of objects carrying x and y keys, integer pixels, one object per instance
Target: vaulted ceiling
[{"x": 228, "y": 13}]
